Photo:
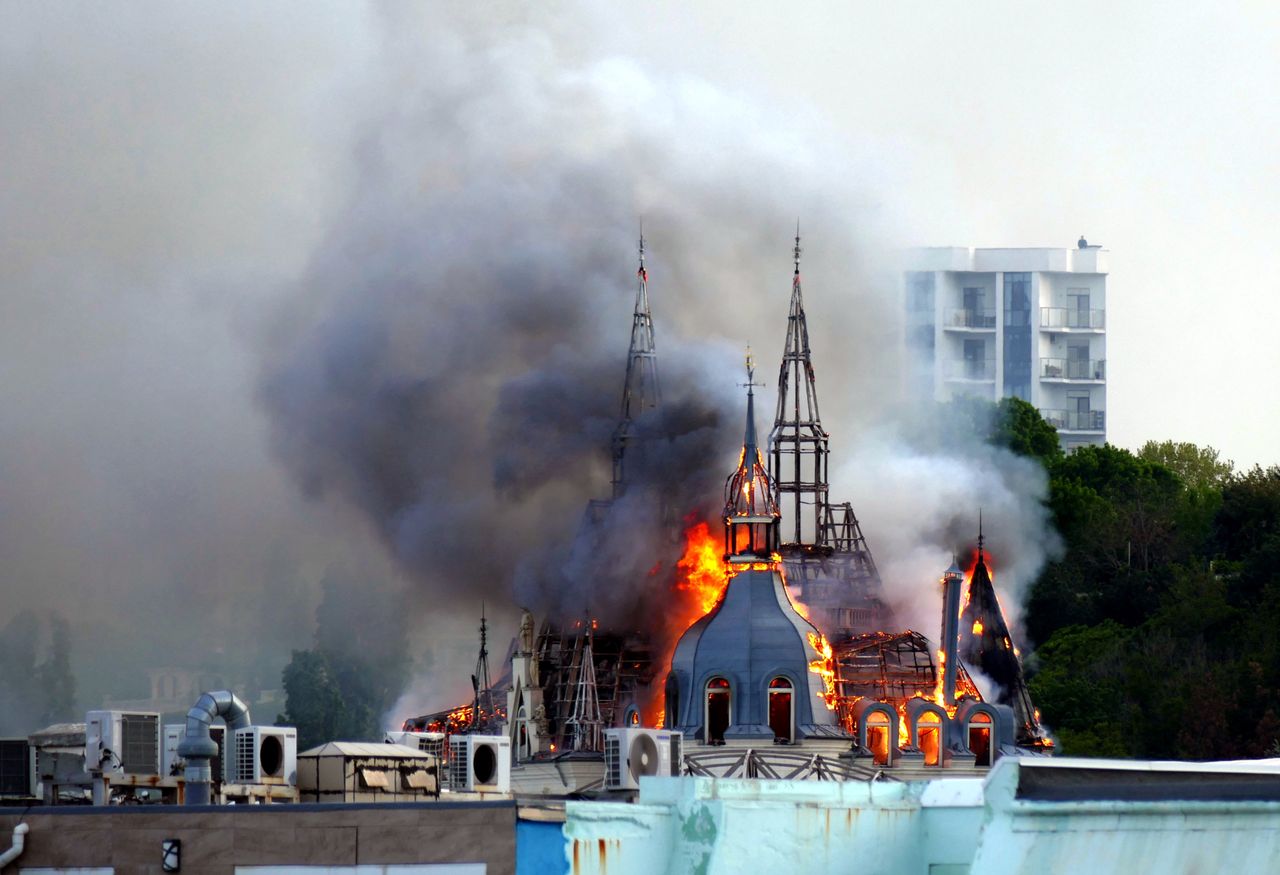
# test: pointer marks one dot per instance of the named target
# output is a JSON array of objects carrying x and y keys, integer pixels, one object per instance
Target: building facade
[{"x": 1026, "y": 323}]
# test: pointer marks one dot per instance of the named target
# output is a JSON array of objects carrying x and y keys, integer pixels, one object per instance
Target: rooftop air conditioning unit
[
  {"x": 17, "y": 768},
  {"x": 480, "y": 763},
  {"x": 427, "y": 742},
  {"x": 632, "y": 753},
  {"x": 173, "y": 733},
  {"x": 119, "y": 743},
  {"x": 265, "y": 755}
]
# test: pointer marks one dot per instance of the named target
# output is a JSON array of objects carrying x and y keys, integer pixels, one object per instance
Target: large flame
[
  {"x": 702, "y": 569},
  {"x": 825, "y": 668}
]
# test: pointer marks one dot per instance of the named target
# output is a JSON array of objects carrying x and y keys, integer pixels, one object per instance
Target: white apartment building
[{"x": 1030, "y": 323}]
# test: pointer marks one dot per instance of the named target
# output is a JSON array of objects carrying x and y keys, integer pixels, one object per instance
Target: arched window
[
  {"x": 717, "y": 716},
  {"x": 878, "y": 728},
  {"x": 929, "y": 737},
  {"x": 980, "y": 738},
  {"x": 633, "y": 716},
  {"x": 782, "y": 709}
]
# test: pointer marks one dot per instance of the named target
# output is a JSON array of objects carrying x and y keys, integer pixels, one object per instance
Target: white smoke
[{"x": 919, "y": 501}]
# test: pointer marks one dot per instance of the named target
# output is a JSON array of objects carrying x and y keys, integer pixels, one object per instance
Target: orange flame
[
  {"x": 703, "y": 572},
  {"x": 977, "y": 626},
  {"x": 825, "y": 668}
]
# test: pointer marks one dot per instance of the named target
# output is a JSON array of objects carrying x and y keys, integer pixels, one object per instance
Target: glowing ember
[
  {"x": 825, "y": 668},
  {"x": 977, "y": 627}
]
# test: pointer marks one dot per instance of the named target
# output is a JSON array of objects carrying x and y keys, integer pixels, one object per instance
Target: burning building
[
  {"x": 752, "y": 669},
  {"x": 773, "y": 637}
]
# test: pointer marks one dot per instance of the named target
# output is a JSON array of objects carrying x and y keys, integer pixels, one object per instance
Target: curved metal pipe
[
  {"x": 19, "y": 842},
  {"x": 198, "y": 748}
]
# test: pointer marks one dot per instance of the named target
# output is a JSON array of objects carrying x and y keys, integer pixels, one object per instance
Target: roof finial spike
[
  {"x": 642, "y": 242},
  {"x": 797, "y": 250},
  {"x": 981, "y": 540}
]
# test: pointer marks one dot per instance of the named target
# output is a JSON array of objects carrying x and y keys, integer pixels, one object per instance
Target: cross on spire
[{"x": 796, "y": 252}]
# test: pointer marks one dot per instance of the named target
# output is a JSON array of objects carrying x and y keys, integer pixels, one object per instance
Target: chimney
[{"x": 952, "y": 583}]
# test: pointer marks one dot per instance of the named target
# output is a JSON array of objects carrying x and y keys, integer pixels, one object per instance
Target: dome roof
[{"x": 751, "y": 637}]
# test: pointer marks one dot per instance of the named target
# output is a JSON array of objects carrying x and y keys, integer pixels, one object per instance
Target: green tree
[
  {"x": 341, "y": 688},
  {"x": 1021, "y": 428},
  {"x": 314, "y": 703},
  {"x": 57, "y": 682},
  {"x": 1197, "y": 466},
  {"x": 1080, "y": 688}
]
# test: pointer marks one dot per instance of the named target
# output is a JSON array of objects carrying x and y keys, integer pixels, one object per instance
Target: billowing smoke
[
  {"x": 457, "y": 373},
  {"x": 407, "y": 235},
  {"x": 919, "y": 481}
]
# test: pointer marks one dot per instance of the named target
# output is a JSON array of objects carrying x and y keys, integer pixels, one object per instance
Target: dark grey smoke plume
[
  {"x": 383, "y": 257},
  {"x": 461, "y": 372}
]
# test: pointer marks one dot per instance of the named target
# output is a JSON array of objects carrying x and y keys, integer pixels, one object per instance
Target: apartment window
[
  {"x": 975, "y": 359},
  {"x": 1017, "y": 335},
  {"x": 920, "y": 291}
]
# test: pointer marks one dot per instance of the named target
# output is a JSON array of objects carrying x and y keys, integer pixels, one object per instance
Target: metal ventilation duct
[{"x": 198, "y": 748}]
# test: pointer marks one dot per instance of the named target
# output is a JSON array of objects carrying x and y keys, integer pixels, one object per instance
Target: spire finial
[
  {"x": 642, "y": 242},
  {"x": 796, "y": 252},
  {"x": 981, "y": 540}
]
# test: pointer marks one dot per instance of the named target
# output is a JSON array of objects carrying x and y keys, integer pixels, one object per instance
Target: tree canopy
[{"x": 1155, "y": 631}]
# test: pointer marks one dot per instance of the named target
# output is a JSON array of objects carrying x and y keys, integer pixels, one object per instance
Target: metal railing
[
  {"x": 1073, "y": 369},
  {"x": 1076, "y": 420},
  {"x": 971, "y": 369},
  {"x": 1065, "y": 317},
  {"x": 969, "y": 318}
]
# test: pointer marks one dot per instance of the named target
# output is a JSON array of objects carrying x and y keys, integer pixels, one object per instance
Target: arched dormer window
[
  {"x": 878, "y": 730},
  {"x": 929, "y": 738},
  {"x": 717, "y": 710},
  {"x": 782, "y": 715},
  {"x": 980, "y": 738}
]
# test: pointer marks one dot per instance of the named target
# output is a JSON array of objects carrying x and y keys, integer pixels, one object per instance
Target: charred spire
[
  {"x": 798, "y": 457},
  {"x": 640, "y": 392},
  {"x": 987, "y": 647}
]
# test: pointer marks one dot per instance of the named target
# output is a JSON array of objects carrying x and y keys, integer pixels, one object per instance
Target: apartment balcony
[
  {"x": 970, "y": 370},
  {"x": 1067, "y": 319},
  {"x": 1077, "y": 370},
  {"x": 1076, "y": 420},
  {"x": 969, "y": 320}
]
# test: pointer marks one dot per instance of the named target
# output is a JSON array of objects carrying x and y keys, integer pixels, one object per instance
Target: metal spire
[
  {"x": 798, "y": 458},
  {"x": 749, "y": 442},
  {"x": 585, "y": 721},
  {"x": 640, "y": 392},
  {"x": 483, "y": 711}
]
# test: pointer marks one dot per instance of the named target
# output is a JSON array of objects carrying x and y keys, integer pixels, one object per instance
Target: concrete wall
[
  {"x": 218, "y": 839},
  {"x": 711, "y": 826}
]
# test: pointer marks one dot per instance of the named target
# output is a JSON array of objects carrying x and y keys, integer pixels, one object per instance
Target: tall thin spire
[
  {"x": 640, "y": 391},
  {"x": 483, "y": 712},
  {"x": 798, "y": 453}
]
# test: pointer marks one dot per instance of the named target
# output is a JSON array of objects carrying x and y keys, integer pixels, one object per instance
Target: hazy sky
[
  {"x": 1150, "y": 128},
  {"x": 175, "y": 177}
]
